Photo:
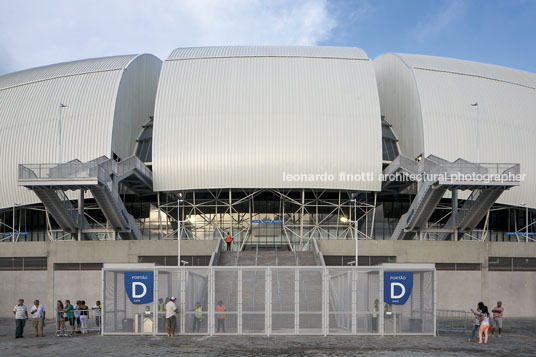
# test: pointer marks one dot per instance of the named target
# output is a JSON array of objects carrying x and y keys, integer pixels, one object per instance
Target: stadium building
[{"x": 421, "y": 159}]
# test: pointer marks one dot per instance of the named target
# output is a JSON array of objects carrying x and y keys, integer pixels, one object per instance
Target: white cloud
[{"x": 41, "y": 32}]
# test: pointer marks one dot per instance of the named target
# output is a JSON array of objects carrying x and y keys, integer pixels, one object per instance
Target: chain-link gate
[{"x": 269, "y": 300}]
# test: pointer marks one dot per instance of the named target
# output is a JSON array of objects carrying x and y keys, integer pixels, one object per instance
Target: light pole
[
  {"x": 60, "y": 159},
  {"x": 344, "y": 219},
  {"x": 475, "y": 104},
  {"x": 179, "y": 229},
  {"x": 13, "y": 227},
  {"x": 526, "y": 221}
]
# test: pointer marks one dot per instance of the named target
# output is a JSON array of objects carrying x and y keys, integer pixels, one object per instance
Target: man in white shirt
[
  {"x": 21, "y": 315},
  {"x": 171, "y": 310},
  {"x": 38, "y": 316}
]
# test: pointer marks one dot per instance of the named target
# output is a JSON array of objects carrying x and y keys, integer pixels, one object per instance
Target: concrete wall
[
  {"x": 27, "y": 285},
  {"x": 49, "y": 285},
  {"x": 455, "y": 289},
  {"x": 460, "y": 290}
]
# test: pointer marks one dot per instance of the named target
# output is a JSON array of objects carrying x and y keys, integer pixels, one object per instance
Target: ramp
[
  {"x": 435, "y": 176},
  {"x": 101, "y": 177}
]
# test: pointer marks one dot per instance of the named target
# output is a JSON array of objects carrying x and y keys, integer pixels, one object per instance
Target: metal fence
[
  {"x": 80, "y": 322},
  {"x": 268, "y": 300},
  {"x": 454, "y": 321}
]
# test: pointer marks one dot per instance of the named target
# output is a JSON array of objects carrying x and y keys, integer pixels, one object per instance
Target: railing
[
  {"x": 319, "y": 257},
  {"x": 454, "y": 321},
  {"x": 68, "y": 171},
  {"x": 133, "y": 163}
]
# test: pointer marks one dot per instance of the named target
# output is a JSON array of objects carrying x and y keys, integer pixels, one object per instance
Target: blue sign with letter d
[
  {"x": 397, "y": 287},
  {"x": 139, "y": 287}
]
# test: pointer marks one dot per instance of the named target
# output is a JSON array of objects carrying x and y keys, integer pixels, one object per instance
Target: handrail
[{"x": 319, "y": 257}]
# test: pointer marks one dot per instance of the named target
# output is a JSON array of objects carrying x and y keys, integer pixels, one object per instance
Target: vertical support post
[
  {"x": 267, "y": 302},
  {"x": 325, "y": 301},
  {"x": 354, "y": 300},
  {"x": 159, "y": 216},
  {"x": 155, "y": 302},
  {"x": 434, "y": 302},
  {"x": 179, "y": 232},
  {"x": 381, "y": 309},
  {"x": 210, "y": 306},
  {"x": 239, "y": 303},
  {"x": 231, "y": 214},
  {"x": 454, "y": 213},
  {"x": 105, "y": 303},
  {"x": 13, "y": 234},
  {"x": 301, "y": 216},
  {"x": 80, "y": 214},
  {"x": 182, "y": 291},
  {"x": 355, "y": 234},
  {"x": 527, "y": 223},
  {"x": 421, "y": 302},
  {"x": 296, "y": 301}
]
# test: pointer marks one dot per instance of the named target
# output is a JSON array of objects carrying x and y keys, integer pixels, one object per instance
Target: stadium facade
[{"x": 279, "y": 146}]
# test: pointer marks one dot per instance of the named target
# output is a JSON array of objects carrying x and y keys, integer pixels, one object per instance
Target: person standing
[
  {"x": 21, "y": 315},
  {"x": 84, "y": 316},
  {"x": 98, "y": 313},
  {"x": 484, "y": 325},
  {"x": 228, "y": 240},
  {"x": 497, "y": 317},
  {"x": 60, "y": 319},
  {"x": 476, "y": 323},
  {"x": 220, "y": 316},
  {"x": 38, "y": 316},
  {"x": 375, "y": 309},
  {"x": 69, "y": 315},
  {"x": 171, "y": 318},
  {"x": 161, "y": 317},
  {"x": 76, "y": 310},
  {"x": 198, "y": 317}
]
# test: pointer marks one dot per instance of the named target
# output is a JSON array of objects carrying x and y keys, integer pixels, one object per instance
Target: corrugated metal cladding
[
  {"x": 98, "y": 120},
  {"x": 268, "y": 51},
  {"x": 242, "y": 122},
  {"x": 445, "y": 90}
]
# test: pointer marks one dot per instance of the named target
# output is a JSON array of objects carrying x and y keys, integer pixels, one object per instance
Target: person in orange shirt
[
  {"x": 220, "y": 316},
  {"x": 228, "y": 240}
]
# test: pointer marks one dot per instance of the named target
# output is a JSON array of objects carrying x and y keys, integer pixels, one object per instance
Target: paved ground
[{"x": 519, "y": 340}]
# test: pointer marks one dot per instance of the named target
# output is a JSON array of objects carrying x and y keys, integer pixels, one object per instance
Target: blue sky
[{"x": 37, "y": 32}]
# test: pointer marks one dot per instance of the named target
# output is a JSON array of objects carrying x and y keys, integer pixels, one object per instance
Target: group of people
[
  {"x": 170, "y": 309},
  {"x": 76, "y": 315},
  {"x": 483, "y": 321}
]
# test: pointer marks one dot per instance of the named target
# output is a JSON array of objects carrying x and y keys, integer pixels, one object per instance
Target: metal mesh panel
[
  {"x": 196, "y": 297},
  {"x": 226, "y": 292},
  {"x": 283, "y": 301},
  {"x": 340, "y": 300},
  {"x": 168, "y": 286},
  {"x": 311, "y": 301},
  {"x": 280, "y": 300},
  {"x": 119, "y": 314},
  {"x": 253, "y": 301}
]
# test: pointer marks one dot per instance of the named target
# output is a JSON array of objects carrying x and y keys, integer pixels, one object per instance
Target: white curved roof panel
[
  {"x": 108, "y": 100},
  {"x": 243, "y": 117},
  {"x": 428, "y": 102}
]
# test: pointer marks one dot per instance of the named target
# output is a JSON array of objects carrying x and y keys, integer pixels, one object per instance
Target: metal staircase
[
  {"x": 101, "y": 177},
  {"x": 436, "y": 177}
]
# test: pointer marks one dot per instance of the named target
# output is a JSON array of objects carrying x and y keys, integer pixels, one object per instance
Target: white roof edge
[
  {"x": 467, "y": 67},
  {"x": 65, "y": 69},
  {"x": 186, "y": 53}
]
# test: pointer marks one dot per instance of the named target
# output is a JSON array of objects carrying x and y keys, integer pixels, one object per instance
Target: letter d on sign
[
  {"x": 402, "y": 293},
  {"x": 143, "y": 287}
]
